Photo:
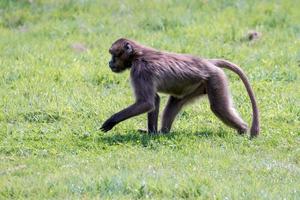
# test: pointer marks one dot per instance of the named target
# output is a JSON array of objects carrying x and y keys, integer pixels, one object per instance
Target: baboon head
[{"x": 122, "y": 53}]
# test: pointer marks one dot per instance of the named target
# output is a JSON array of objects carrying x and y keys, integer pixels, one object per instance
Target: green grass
[{"x": 53, "y": 99}]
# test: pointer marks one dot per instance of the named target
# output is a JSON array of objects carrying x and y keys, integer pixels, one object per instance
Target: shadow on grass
[
  {"x": 207, "y": 134},
  {"x": 137, "y": 138}
]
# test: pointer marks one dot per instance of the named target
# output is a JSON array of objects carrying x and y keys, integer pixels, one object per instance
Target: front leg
[
  {"x": 174, "y": 105},
  {"x": 172, "y": 108},
  {"x": 131, "y": 111},
  {"x": 153, "y": 116},
  {"x": 145, "y": 94}
]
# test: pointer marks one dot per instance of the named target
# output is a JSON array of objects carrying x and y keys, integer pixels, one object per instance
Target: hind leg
[
  {"x": 221, "y": 103},
  {"x": 172, "y": 108},
  {"x": 174, "y": 105}
]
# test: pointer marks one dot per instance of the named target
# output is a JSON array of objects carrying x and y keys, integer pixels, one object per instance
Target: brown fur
[{"x": 184, "y": 77}]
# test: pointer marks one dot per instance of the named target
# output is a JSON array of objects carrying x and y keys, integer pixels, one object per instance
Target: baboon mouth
[{"x": 114, "y": 69}]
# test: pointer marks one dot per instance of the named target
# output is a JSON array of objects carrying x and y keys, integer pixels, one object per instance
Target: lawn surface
[{"x": 56, "y": 90}]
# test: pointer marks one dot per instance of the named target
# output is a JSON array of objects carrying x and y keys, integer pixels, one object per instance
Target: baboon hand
[{"x": 108, "y": 125}]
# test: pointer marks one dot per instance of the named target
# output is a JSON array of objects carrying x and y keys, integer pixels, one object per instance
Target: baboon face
[{"x": 121, "y": 55}]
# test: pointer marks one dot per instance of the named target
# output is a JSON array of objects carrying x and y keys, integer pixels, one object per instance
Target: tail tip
[{"x": 254, "y": 132}]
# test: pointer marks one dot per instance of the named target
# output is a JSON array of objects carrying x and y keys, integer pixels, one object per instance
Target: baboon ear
[{"x": 128, "y": 48}]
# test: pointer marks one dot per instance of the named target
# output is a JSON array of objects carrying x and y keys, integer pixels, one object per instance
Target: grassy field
[{"x": 56, "y": 90}]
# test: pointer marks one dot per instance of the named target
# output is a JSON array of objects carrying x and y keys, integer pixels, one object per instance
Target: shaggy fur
[{"x": 183, "y": 77}]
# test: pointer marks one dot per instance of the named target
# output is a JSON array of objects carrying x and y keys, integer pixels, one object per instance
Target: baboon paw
[
  {"x": 142, "y": 131},
  {"x": 108, "y": 125},
  {"x": 164, "y": 132}
]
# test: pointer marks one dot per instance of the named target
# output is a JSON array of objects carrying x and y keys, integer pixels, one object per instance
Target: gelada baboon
[{"x": 184, "y": 77}]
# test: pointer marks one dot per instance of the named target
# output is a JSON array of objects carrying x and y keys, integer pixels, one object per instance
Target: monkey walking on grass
[{"x": 184, "y": 78}]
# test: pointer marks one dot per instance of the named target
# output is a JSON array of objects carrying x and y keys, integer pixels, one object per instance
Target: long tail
[{"x": 254, "y": 131}]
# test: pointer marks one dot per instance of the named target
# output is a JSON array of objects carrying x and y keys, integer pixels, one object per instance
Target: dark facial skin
[
  {"x": 184, "y": 77},
  {"x": 121, "y": 56}
]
